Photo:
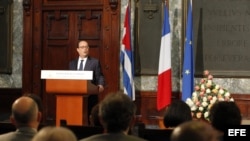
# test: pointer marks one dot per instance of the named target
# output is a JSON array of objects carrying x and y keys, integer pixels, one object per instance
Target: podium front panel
[
  {"x": 71, "y": 108},
  {"x": 66, "y": 86}
]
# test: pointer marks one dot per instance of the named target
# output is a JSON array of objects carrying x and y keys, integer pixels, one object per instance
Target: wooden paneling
[
  {"x": 57, "y": 25},
  {"x": 93, "y": 20},
  {"x": 72, "y": 2},
  {"x": 243, "y": 101},
  {"x": 146, "y": 103}
]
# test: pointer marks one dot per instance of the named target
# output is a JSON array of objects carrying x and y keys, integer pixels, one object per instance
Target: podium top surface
[{"x": 67, "y": 74}]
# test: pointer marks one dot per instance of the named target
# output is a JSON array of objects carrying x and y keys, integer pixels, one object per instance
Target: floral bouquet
[{"x": 205, "y": 95}]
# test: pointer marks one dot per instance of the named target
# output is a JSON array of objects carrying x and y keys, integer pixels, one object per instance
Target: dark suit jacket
[
  {"x": 21, "y": 134},
  {"x": 92, "y": 64},
  {"x": 112, "y": 137}
]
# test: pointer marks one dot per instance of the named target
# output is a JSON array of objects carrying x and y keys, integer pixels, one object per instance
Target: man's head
[
  {"x": 83, "y": 49},
  {"x": 194, "y": 131},
  {"x": 25, "y": 113},
  {"x": 50, "y": 133},
  {"x": 117, "y": 112},
  {"x": 224, "y": 114}
]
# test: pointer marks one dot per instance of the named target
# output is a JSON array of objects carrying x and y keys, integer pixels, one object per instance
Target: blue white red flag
[
  {"x": 164, "y": 91},
  {"x": 127, "y": 59}
]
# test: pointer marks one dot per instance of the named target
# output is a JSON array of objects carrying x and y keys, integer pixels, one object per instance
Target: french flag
[
  {"x": 127, "y": 59},
  {"x": 164, "y": 91}
]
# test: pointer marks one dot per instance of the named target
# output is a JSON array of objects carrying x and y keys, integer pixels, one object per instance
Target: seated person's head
[
  {"x": 50, "y": 133},
  {"x": 25, "y": 113},
  {"x": 194, "y": 131},
  {"x": 223, "y": 114},
  {"x": 117, "y": 112},
  {"x": 176, "y": 113},
  {"x": 94, "y": 117}
]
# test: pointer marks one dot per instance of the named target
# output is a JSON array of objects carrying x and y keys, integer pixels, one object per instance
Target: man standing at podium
[{"x": 87, "y": 63}]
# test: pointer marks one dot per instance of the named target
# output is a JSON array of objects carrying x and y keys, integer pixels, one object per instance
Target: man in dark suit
[
  {"x": 26, "y": 117},
  {"x": 117, "y": 116},
  {"x": 87, "y": 63}
]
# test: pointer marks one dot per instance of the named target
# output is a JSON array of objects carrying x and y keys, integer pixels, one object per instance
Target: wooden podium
[{"x": 71, "y": 98}]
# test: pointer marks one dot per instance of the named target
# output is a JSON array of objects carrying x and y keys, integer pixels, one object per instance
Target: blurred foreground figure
[
  {"x": 26, "y": 117},
  {"x": 117, "y": 115},
  {"x": 50, "y": 133},
  {"x": 194, "y": 131}
]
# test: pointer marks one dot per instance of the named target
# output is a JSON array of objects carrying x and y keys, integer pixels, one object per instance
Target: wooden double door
[{"x": 52, "y": 29}]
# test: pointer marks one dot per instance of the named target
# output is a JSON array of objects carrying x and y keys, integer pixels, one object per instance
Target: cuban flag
[
  {"x": 127, "y": 59},
  {"x": 188, "y": 65},
  {"x": 164, "y": 91}
]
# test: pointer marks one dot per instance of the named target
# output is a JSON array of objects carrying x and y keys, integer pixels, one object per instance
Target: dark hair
[
  {"x": 94, "y": 115},
  {"x": 116, "y": 111},
  {"x": 176, "y": 113},
  {"x": 81, "y": 41},
  {"x": 223, "y": 114},
  {"x": 37, "y": 99}
]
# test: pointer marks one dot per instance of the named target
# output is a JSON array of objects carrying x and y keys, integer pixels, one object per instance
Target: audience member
[
  {"x": 26, "y": 117},
  {"x": 94, "y": 117},
  {"x": 194, "y": 131},
  {"x": 117, "y": 114},
  {"x": 224, "y": 114},
  {"x": 51, "y": 133},
  {"x": 176, "y": 113}
]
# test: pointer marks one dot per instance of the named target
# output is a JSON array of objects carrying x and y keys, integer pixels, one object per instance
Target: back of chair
[
  {"x": 154, "y": 134},
  {"x": 6, "y": 127},
  {"x": 84, "y": 131}
]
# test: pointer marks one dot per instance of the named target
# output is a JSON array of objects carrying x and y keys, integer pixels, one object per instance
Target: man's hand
[{"x": 100, "y": 88}]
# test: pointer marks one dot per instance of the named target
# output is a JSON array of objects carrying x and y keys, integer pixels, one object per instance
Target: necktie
[{"x": 81, "y": 65}]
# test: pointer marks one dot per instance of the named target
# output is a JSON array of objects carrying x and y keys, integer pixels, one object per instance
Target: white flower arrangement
[{"x": 205, "y": 95}]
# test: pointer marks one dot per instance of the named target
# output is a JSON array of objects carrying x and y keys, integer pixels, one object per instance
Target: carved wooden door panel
[
  {"x": 50, "y": 43},
  {"x": 62, "y": 31}
]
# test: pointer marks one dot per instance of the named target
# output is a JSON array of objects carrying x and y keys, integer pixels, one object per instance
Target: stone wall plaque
[
  {"x": 148, "y": 36},
  {"x": 222, "y": 37}
]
